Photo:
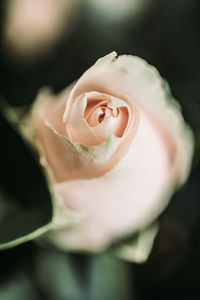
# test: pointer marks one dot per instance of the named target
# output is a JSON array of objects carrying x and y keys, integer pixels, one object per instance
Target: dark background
[{"x": 167, "y": 35}]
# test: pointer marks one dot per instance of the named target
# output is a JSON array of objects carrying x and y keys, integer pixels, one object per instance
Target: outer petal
[{"x": 124, "y": 200}]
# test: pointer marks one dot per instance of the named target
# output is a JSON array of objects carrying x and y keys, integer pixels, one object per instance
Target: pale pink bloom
[{"x": 116, "y": 147}]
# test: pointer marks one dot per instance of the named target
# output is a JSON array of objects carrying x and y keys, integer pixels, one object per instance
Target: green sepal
[
  {"x": 137, "y": 247},
  {"x": 26, "y": 208}
]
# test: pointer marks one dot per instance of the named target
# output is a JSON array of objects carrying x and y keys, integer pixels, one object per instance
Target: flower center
[
  {"x": 102, "y": 114},
  {"x": 99, "y": 113},
  {"x": 94, "y": 117}
]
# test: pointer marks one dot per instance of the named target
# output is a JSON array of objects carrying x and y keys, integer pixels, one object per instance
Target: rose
[
  {"x": 116, "y": 147},
  {"x": 32, "y": 28}
]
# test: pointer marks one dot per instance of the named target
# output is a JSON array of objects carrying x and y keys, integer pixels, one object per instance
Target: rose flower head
[{"x": 115, "y": 147}]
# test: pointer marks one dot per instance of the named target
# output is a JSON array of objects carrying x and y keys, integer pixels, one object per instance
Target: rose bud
[
  {"x": 115, "y": 148},
  {"x": 33, "y": 28}
]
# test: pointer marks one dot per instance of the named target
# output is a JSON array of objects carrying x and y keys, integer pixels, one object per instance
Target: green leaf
[
  {"x": 57, "y": 277},
  {"x": 25, "y": 200},
  {"x": 18, "y": 286},
  {"x": 79, "y": 277},
  {"x": 111, "y": 279}
]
